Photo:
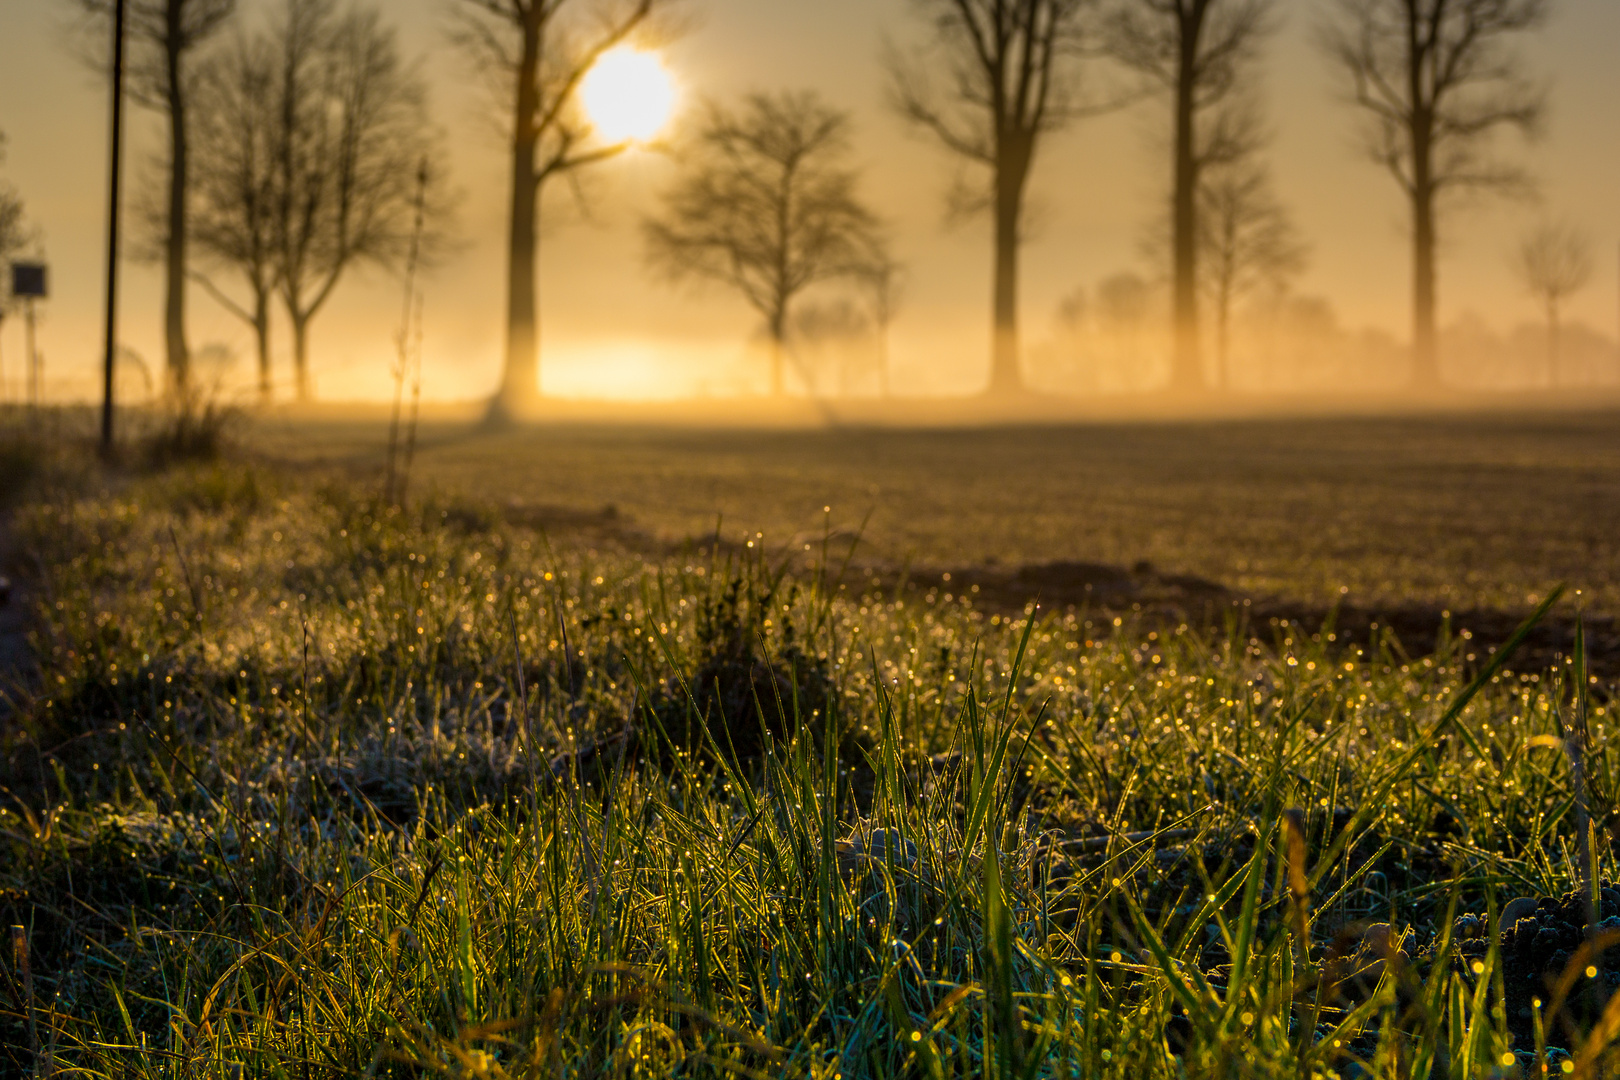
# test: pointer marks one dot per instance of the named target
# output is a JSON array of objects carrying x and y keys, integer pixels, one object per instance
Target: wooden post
[{"x": 31, "y": 357}]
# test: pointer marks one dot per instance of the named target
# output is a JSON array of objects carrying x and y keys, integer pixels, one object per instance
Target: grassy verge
[{"x": 307, "y": 786}]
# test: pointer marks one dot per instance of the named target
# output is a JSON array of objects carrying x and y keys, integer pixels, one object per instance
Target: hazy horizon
[{"x": 612, "y": 330}]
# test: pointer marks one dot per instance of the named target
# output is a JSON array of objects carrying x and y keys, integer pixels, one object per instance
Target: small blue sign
[{"x": 28, "y": 280}]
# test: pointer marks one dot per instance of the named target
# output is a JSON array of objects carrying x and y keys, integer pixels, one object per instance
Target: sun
[{"x": 628, "y": 95}]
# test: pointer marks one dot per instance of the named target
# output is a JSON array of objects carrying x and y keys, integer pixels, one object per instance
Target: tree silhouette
[
  {"x": 15, "y": 237},
  {"x": 165, "y": 34},
  {"x": 883, "y": 281},
  {"x": 1438, "y": 84},
  {"x": 1247, "y": 241},
  {"x": 236, "y": 209},
  {"x": 1124, "y": 301},
  {"x": 350, "y": 135},
  {"x": 1009, "y": 80},
  {"x": 540, "y": 52},
  {"x": 1199, "y": 51},
  {"x": 768, "y": 206},
  {"x": 1555, "y": 262}
]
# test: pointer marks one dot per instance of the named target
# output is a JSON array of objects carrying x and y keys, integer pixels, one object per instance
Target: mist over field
[{"x": 1096, "y": 288}]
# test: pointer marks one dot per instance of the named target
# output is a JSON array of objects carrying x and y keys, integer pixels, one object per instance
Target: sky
[{"x": 612, "y": 330}]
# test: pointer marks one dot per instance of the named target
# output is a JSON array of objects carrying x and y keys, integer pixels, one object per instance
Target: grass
[{"x": 306, "y": 786}]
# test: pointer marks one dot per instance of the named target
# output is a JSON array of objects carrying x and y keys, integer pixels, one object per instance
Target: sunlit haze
[{"x": 611, "y": 328}]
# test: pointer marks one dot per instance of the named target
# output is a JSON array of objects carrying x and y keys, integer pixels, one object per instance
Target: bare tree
[
  {"x": 235, "y": 206},
  {"x": 768, "y": 206},
  {"x": 1248, "y": 242},
  {"x": 834, "y": 344},
  {"x": 1554, "y": 262},
  {"x": 349, "y": 138},
  {"x": 1010, "y": 68},
  {"x": 1438, "y": 84},
  {"x": 1199, "y": 52},
  {"x": 884, "y": 282},
  {"x": 542, "y": 50},
  {"x": 15, "y": 238},
  {"x": 165, "y": 34}
]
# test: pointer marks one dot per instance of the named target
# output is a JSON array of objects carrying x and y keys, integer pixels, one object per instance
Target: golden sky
[{"x": 611, "y": 330}]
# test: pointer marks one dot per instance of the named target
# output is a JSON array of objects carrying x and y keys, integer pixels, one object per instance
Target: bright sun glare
[{"x": 628, "y": 95}]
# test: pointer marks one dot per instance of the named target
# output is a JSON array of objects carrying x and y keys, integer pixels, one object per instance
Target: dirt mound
[
  {"x": 1081, "y": 584},
  {"x": 753, "y": 681},
  {"x": 1542, "y": 952},
  {"x": 1158, "y": 598},
  {"x": 1148, "y": 593}
]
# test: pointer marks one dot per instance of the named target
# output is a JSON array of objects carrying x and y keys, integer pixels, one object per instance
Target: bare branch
[
  {"x": 1447, "y": 101},
  {"x": 310, "y": 138},
  {"x": 1438, "y": 87},
  {"x": 571, "y": 38},
  {"x": 161, "y": 33},
  {"x": 1555, "y": 261},
  {"x": 1011, "y": 77},
  {"x": 767, "y": 206},
  {"x": 221, "y": 298}
]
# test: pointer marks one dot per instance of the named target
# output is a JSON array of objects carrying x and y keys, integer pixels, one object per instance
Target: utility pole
[
  {"x": 115, "y": 175},
  {"x": 32, "y": 358}
]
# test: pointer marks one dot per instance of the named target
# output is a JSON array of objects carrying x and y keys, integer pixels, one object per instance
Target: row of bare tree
[
  {"x": 1112, "y": 338},
  {"x": 294, "y": 152},
  {"x": 1436, "y": 82},
  {"x": 297, "y": 150}
]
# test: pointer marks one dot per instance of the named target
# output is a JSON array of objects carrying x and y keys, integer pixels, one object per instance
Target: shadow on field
[
  {"x": 1155, "y": 597},
  {"x": 1147, "y": 595}
]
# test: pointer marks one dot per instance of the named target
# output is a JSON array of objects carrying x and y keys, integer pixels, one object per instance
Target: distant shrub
[{"x": 192, "y": 430}]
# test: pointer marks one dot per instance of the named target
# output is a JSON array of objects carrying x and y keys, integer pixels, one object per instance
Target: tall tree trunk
[
  {"x": 1553, "y": 342},
  {"x": 1186, "y": 366},
  {"x": 174, "y": 306},
  {"x": 884, "y": 349},
  {"x": 778, "y": 332},
  {"x": 1425, "y": 347},
  {"x": 1223, "y": 337},
  {"x": 300, "y": 328},
  {"x": 1425, "y": 337},
  {"x": 520, "y": 378},
  {"x": 261, "y": 335},
  {"x": 1005, "y": 376}
]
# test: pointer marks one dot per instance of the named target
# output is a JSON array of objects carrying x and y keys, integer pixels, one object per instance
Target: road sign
[{"x": 28, "y": 280}]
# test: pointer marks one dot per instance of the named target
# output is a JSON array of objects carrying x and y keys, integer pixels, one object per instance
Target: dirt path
[{"x": 14, "y": 653}]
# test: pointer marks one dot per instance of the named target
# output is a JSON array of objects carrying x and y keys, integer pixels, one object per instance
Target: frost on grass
[{"x": 308, "y": 785}]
